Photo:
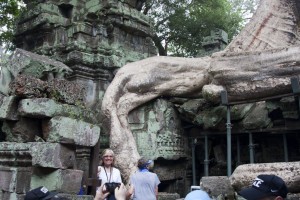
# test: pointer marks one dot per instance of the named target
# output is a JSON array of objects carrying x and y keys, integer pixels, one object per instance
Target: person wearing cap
[
  {"x": 266, "y": 187},
  {"x": 197, "y": 195},
  {"x": 145, "y": 183},
  {"x": 41, "y": 193}
]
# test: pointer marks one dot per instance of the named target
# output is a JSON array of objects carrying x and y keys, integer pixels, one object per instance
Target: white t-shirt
[{"x": 105, "y": 176}]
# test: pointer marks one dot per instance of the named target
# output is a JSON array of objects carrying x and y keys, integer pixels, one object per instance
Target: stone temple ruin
[{"x": 54, "y": 115}]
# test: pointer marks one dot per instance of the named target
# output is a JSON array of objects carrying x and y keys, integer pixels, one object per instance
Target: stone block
[
  {"x": 190, "y": 109},
  {"x": 60, "y": 90},
  {"x": 293, "y": 197},
  {"x": 15, "y": 154},
  {"x": 71, "y": 131},
  {"x": 244, "y": 175},
  {"x": 11, "y": 196},
  {"x": 28, "y": 87},
  {"x": 66, "y": 91},
  {"x": 8, "y": 107},
  {"x": 39, "y": 107},
  {"x": 289, "y": 108},
  {"x": 62, "y": 180},
  {"x": 239, "y": 111},
  {"x": 174, "y": 171},
  {"x": 15, "y": 179},
  {"x": 45, "y": 108},
  {"x": 217, "y": 185},
  {"x": 257, "y": 118},
  {"x": 76, "y": 197},
  {"x": 213, "y": 118},
  {"x": 83, "y": 156},
  {"x": 53, "y": 155},
  {"x": 25, "y": 62},
  {"x": 23, "y": 130},
  {"x": 167, "y": 196},
  {"x": 161, "y": 134}
]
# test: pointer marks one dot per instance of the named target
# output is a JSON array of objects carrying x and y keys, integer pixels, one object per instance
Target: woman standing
[
  {"x": 145, "y": 183},
  {"x": 106, "y": 171}
]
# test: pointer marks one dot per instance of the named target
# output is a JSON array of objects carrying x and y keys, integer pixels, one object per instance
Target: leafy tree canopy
[
  {"x": 180, "y": 25},
  {"x": 9, "y": 10}
]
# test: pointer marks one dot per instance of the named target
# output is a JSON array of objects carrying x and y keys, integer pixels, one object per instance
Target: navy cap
[
  {"x": 265, "y": 186},
  {"x": 40, "y": 193}
]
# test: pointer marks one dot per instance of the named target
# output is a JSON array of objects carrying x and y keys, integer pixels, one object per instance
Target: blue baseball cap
[{"x": 264, "y": 186}]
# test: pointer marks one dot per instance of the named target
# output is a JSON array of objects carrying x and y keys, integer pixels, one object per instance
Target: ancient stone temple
[
  {"x": 50, "y": 104},
  {"x": 79, "y": 80},
  {"x": 217, "y": 41}
]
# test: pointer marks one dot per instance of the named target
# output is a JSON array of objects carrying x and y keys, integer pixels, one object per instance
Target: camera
[{"x": 110, "y": 187}]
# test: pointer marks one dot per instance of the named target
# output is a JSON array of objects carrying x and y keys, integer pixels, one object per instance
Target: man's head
[
  {"x": 197, "y": 195},
  {"x": 266, "y": 187},
  {"x": 41, "y": 193},
  {"x": 144, "y": 163}
]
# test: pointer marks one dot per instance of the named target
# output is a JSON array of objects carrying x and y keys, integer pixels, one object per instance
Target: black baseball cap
[
  {"x": 40, "y": 193},
  {"x": 263, "y": 186}
]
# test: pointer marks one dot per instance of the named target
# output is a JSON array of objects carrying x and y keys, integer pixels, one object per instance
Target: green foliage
[
  {"x": 4, "y": 57},
  {"x": 9, "y": 10},
  {"x": 181, "y": 25}
]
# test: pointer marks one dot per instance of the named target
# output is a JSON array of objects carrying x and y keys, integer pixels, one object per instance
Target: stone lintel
[
  {"x": 244, "y": 175},
  {"x": 44, "y": 108},
  {"x": 62, "y": 180},
  {"x": 71, "y": 131},
  {"x": 53, "y": 155}
]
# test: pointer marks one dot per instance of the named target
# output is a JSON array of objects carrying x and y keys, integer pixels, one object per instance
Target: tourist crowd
[{"x": 144, "y": 185}]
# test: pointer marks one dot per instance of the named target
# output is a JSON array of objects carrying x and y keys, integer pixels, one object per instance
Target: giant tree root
[{"x": 247, "y": 69}]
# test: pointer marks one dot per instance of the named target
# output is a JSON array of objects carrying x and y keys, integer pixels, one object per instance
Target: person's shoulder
[
  {"x": 136, "y": 174},
  {"x": 154, "y": 174},
  {"x": 116, "y": 169},
  {"x": 150, "y": 174}
]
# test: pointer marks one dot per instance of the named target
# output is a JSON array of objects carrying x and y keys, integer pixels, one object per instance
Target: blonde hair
[{"x": 105, "y": 151}]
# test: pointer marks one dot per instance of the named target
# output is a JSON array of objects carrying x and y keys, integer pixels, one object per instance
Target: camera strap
[{"x": 108, "y": 180}]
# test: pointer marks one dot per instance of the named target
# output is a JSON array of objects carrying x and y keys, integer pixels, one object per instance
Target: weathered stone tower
[{"x": 93, "y": 37}]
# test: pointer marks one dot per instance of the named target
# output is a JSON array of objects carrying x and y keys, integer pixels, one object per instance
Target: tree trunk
[
  {"x": 274, "y": 24},
  {"x": 263, "y": 71}
]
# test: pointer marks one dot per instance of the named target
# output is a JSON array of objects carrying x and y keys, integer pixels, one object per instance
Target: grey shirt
[{"x": 144, "y": 184}]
